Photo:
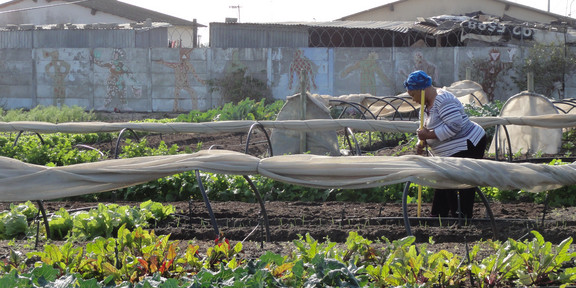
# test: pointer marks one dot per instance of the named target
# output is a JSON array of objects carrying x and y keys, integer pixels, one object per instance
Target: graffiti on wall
[
  {"x": 116, "y": 87},
  {"x": 57, "y": 70},
  {"x": 301, "y": 66},
  {"x": 182, "y": 70},
  {"x": 368, "y": 68},
  {"x": 109, "y": 77},
  {"x": 488, "y": 71}
]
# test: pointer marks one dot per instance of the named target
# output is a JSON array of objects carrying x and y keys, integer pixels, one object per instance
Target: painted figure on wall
[
  {"x": 182, "y": 70},
  {"x": 488, "y": 71},
  {"x": 116, "y": 82},
  {"x": 369, "y": 68},
  {"x": 302, "y": 65},
  {"x": 235, "y": 64},
  {"x": 420, "y": 63},
  {"x": 57, "y": 70},
  {"x": 491, "y": 71}
]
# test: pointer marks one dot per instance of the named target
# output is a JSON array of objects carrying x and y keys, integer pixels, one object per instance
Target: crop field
[{"x": 209, "y": 240}]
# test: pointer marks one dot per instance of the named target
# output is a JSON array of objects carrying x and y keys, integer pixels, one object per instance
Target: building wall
[
  {"x": 411, "y": 9},
  {"x": 29, "y": 13},
  {"x": 177, "y": 80}
]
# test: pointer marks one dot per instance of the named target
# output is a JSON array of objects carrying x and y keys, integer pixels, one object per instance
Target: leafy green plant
[
  {"x": 549, "y": 64},
  {"x": 50, "y": 114},
  {"x": 137, "y": 258},
  {"x": 247, "y": 109},
  {"x": 542, "y": 263},
  {"x": 133, "y": 149}
]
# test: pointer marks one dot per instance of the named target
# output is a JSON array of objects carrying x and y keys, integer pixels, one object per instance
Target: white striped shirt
[{"x": 451, "y": 125}]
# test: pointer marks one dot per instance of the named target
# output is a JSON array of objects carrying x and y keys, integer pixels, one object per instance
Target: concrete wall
[{"x": 175, "y": 80}]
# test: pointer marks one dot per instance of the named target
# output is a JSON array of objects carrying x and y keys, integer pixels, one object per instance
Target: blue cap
[{"x": 418, "y": 80}]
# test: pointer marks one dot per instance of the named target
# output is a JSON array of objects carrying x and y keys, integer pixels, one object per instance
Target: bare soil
[{"x": 287, "y": 221}]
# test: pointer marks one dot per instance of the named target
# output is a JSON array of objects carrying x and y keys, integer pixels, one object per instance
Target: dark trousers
[{"x": 446, "y": 200}]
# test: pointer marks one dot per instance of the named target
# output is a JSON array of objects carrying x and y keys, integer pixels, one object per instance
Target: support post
[
  {"x": 530, "y": 81},
  {"x": 303, "y": 99}
]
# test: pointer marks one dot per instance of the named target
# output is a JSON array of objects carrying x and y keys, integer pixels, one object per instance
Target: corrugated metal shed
[
  {"x": 310, "y": 34},
  {"x": 16, "y": 39},
  {"x": 225, "y": 35},
  {"x": 84, "y": 36}
]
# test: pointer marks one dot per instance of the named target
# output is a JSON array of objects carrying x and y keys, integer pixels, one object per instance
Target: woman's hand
[
  {"x": 424, "y": 133},
  {"x": 420, "y": 147}
]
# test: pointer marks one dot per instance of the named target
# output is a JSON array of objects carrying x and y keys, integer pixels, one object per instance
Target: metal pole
[
  {"x": 303, "y": 98},
  {"x": 530, "y": 81}
]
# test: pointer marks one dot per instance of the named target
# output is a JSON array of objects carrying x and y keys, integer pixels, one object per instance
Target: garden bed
[
  {"x": 242, "y": 222},
  {"x": 332, "y": 221}
]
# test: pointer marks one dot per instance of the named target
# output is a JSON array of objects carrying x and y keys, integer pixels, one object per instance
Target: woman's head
[{"x": 418, "y": 80}]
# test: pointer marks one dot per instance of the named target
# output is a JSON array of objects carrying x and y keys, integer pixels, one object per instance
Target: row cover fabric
[
  {"x": 20, "y": 181},
  {"x": 545, "y": 121},
  {"x": 527, "y": 139}
]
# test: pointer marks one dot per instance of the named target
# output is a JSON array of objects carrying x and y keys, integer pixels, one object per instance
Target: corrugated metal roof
[
  {"x": 132, "y": 12},
  {"x": 385, "y": 25},
  {"x": 396, "y": 26},
  {"x": 101, "y": 26}
]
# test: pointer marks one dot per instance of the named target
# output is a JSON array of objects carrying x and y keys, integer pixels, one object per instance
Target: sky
[{"x": 259, "y": 11}]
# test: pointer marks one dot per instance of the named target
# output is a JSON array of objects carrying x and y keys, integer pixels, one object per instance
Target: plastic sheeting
[
  {"x": 289, "y": 141},
  {"x": 21, "y": 182},
  {"x": 527, "y": 139}
]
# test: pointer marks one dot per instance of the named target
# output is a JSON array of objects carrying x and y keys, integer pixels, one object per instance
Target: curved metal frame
[
  {"x": 262, "y": 207},
  {"x": 570, "y": 102},
  {"x": 102, "y": 155},
  {"x": 120, "y": 138},
  {"x": 476, "y": 98},
  {"x": 357, "y": 106},
  {"x": 507, "y": 141},
  {"x": 22, "y": 131},
  {"x": 394, "y": 98},
  {"x": 252, "y": 186},
  {"x": 40, "y": 202},
  {"x": 407, "y": 220},
  {"x": 46, "y": 224},
  {"x": 348, "y": 131},
  {"x": 207, "y": 202},
  {"x": 261, "y": 127}
]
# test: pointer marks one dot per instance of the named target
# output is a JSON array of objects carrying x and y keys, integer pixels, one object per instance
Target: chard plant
[{"x": 139, "y": 258}]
